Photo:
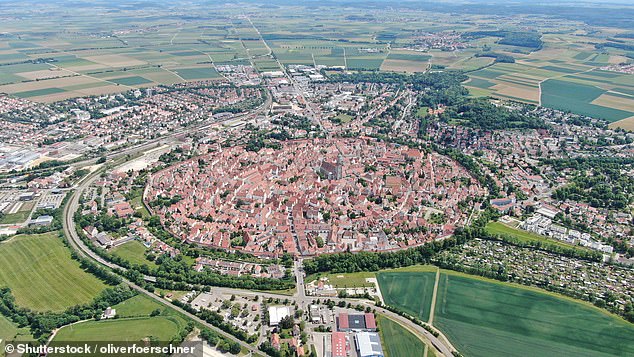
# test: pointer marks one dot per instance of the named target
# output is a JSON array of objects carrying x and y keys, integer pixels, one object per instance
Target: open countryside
[
  {"x": 25, "y": 268},
  {"x": 476, "y": 314}
]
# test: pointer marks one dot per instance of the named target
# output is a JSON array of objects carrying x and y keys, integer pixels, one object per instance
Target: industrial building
[
  {"x": 368, "y": 344},
  {"x": 361, "y": 322}
]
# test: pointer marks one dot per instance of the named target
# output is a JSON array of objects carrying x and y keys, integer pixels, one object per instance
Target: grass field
[
  {"x": 134, "y": 324},
  {"x": 17, "y": 217},
  {"x": 137, "y": 204},
  {"x": 41, "y": 274},
  {"x": 556, "y": 94},
  {"x": 524, "y": 236},
  {"x": 346, "y": 280},
  {"x": 398, "y": 342},
  {"x": 410, "y": 291},
  {"x": 121, "y": 330},
  {"x": 134, "y": 252},
  {"x": 139, "y": 306},
  {"x": 486, "y": 318},
  {"x": 10, "y": 332}
]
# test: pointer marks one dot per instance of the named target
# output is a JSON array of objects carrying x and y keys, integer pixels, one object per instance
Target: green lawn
[
  {"x": 13, "y": 218},
  {"x": 137, "y": 205},
  {"x": 121, "y": 330},
  {"x": 138, "y": 306},
  {"x": 524, "y": 236},
  {"x": 488, "y": 318},
  {"x": 399, "y": 342},
  {"x": 409, "y": 291},
  {"x": 134, "y": 252},
  {"x": 344, "y": 118},
  {"x": 42, "y": 275},
  {"x": 10, "y": 332}
]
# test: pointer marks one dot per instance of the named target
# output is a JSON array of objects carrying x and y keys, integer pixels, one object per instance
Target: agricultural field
[
  {"x": 410, "y": 291},
  {"x": 399, "y": 342},
  {"x": 134, "y": 252},
  {"x": 473, "y": 312},
  {"x": 475, "y": 315},
  {"x": 556, "y": 94},
  {"x": 41, "y": 274}
]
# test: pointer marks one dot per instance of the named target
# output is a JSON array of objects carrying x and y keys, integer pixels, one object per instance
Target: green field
[
  {"x": 133, "y": 324},
  {"x": 133, "y": 251},
  {"x": 346, "y": 280},
  {"x": 398, "y": 342},
  {"x": 131, "y": 81},
  {"x": 487, "y": 318},
  {"x": 524, "y": 236},
  {"x": 409, "y": 291},
  {"x": 41, "y": 274},
  {"x": 10, "y": 332},
  {"x": 119, "y": 330},
  {"x": 137, "y": 204},
  {"x": 197, "y": 73},
  {"x": 139, "y": 306},
  {"x": 557, "y": 94},
  {"x": 38, "y": 92},
  {"x": 13, "y": 218}
]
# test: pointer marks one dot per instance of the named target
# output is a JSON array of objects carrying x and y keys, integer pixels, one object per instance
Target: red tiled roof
[
  {"x": 343, "y": 321},
  {"x": 369, "y": 321},
  {"x": 338, "y": 342}
]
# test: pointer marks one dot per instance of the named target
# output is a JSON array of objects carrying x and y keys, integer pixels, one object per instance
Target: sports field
[
  {"x": 399, "y": 342},
  {"x": 41, "y": 274},
  {"x": 128, "y": 329},
  {"x": 134, "y": 252},
  {"x": 133, "y": 324},
  {"x": 138, "y": 306},
  {"x": 410, "y": 291}
]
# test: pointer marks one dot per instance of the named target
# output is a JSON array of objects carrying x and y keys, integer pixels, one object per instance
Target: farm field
[
  {"x": 480, "y": 318},
  {"x": 410, "y": 291},
  {"x": 133, "y": 251},
  {"x": 399, "y": 342},
  {"x": 556, "y": 94},
  {"x": 41, "y": 274}
]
